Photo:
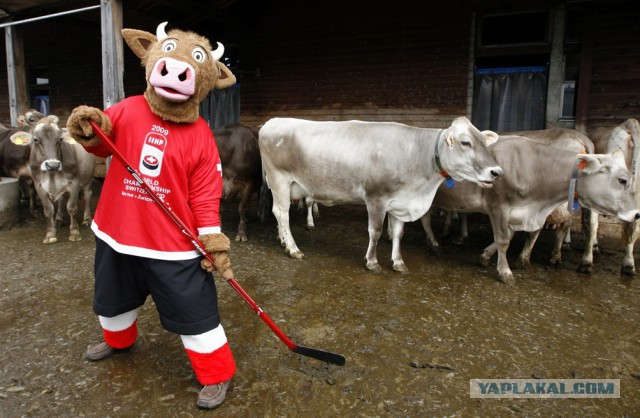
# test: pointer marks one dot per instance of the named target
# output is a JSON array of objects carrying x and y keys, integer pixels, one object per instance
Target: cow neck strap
[
  {"x": 436, "y": 156},
  {"x": 572, "y": 204}
]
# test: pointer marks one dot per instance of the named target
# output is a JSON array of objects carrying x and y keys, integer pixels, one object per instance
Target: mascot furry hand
[{"x": 181, "y": 68}]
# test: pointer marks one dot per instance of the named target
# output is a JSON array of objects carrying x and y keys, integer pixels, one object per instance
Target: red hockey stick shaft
[{"x": 306, "y": 351}]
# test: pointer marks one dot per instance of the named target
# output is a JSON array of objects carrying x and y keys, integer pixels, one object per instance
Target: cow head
[
  {"x": 604, "y": 185},
  {"x": 29, "y": 118},
  {"x": 626, "y": 138},
  {"x": 464, "y": 154},
  {"x": 48, "y": 150},
  {"x": 181, "y": 68}
]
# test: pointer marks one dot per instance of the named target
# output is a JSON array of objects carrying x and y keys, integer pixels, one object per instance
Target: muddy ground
[{"x": 412, "y": 342}]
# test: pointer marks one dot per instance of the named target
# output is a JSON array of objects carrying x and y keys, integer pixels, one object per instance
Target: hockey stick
[{"x": 299, "y": 349}]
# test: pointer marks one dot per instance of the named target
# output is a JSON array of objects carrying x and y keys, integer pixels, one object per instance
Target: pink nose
[{"x": 173, "y": 79}]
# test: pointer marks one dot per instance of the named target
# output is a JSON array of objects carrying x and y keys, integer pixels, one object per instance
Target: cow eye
[
  {"x": 466, "y": 143},
  {"x": 623, "y": 182},
  {"x": 199, "y": 54},
  {"x": 169, "y": 45}
]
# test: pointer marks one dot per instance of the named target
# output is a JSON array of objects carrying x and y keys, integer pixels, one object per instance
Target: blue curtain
[{"x": 510, "y": 99}]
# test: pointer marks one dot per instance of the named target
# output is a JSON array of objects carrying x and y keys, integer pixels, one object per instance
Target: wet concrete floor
[{"x": 412, "y": 342}]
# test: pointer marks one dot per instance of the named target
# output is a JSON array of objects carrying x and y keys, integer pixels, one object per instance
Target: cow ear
[
  {"x": 588, "y": 163},
  {"x": 138, "y": 40},
  {"x": 491, "y": 137},
  {"x": 66, "y": 137},
  {"x": 21, "y": 138},
  {"x": 225, "y": 77}
]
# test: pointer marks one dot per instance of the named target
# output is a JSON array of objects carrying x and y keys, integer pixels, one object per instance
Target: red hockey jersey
[{"x": 181, "y": 164}]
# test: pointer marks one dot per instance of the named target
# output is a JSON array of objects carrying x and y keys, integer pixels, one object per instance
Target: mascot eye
[
  {"x": 199, "y": 55},
  {"x": 169, "y": 45}
]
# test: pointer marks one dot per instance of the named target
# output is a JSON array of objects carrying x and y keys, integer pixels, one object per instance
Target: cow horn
[
  {"x": 160, "y": 33},
  {"x": 217, "y": 54}
]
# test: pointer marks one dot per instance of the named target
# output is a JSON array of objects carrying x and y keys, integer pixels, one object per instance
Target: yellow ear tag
[{"x": 20, "y": 140}]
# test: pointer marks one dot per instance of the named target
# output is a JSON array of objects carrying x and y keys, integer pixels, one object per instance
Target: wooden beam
[
  {"x": 112, "y": 54},
  {"x": 18, "y": 97},
  {"x": 584, "y": 74}
]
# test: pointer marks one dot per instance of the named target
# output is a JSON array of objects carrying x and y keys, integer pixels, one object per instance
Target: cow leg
[
  {"x": 630, "y": 232},
  {"x": 241, "y": 236},
  {"x": 397, "y": 230},
  {"x": 524, "y": 259},
  {"x": 72, "y": 208},
  {"x": 60, "y": 210},
  {"x": 431, "y": 237},
  {"x": 449, "y": 229},
  {"x": 590, "y": 230},
  {"x": 485, "y": 257},
  {"x": 48, "y": 209},
  {"x": 566, "y": 242},
  {"x": 560, "y": 238},
  {"x": 376, "y": 215},
  {"x": 502, "y": 235},
  {"x": 312, "y": 213},
  {"x": 309, "y": 203},
  {"x": 464, "y": 231},
  {"x": 448, "y": 221},
  {"x": 28, "y": 191},
  {"x": 281, "y": 205},
  {"x": 87, "y": 192}
]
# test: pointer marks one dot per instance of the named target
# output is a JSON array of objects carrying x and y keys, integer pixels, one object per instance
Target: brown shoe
[
  {"x": 212, "y": 396},
  {"x": 98, "y": 351}
]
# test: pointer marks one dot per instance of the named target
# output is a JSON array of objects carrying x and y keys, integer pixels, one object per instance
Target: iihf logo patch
[
  {"x": 150, "y": 162},
  {"x": 152, "y": 152}
]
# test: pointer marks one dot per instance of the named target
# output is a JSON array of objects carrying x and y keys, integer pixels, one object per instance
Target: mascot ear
[
  {"x": 138, "y": 41},
  {"x": 225, "y": 78}
]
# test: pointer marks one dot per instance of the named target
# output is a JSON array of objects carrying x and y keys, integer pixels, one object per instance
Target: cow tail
[{"x": 266, "y": 200}]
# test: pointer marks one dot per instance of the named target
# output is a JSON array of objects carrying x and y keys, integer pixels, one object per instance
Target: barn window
[
  {"x": 39, "y": 90},
  {"x": 514, "y": 29}
]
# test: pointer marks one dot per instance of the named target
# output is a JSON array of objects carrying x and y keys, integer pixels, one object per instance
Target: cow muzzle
[
  {"x": 494, "y": 173},
  {"x": 51, "y": 165}
]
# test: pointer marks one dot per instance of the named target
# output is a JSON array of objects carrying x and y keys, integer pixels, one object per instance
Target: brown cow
[
  {"x": 241, "y": 167},
  {"x": 58, "y": 166}
]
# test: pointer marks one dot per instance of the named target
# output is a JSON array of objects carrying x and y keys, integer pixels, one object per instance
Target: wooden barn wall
[
  {"x": 406, "y": 62},
  {"x": 615, "y": 77},
  {"x": 337, "y": 60}
]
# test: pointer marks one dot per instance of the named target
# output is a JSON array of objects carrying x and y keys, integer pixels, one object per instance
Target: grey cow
[
  {"x": 392, "y": 168},
  {"x": 537, "y": 178}
]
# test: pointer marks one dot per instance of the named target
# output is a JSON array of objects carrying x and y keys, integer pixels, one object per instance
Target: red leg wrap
[
  {"x": 213, "y": 368},
  {"x": 121, "y": 339}
]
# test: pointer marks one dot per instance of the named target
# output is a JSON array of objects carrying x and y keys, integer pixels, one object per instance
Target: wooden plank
[
  {"x": 18, "y": 98},
  {"x": 584, "y": 82},
  {"x": 112, "y": 52}
]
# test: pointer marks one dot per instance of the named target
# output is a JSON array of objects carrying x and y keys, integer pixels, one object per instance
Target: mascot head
[{"x": 181, "y": 68}]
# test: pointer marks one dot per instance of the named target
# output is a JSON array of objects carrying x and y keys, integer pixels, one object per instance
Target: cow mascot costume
[{"x": 139, "y": 251}]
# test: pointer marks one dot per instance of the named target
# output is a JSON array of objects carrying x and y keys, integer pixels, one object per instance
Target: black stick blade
[{"x": 332, "y": 358}]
